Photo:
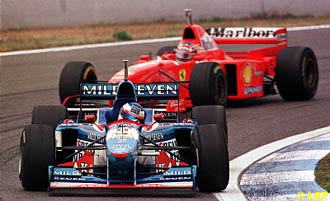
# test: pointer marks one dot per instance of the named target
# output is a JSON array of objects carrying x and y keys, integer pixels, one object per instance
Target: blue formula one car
[{"x": 87, "y": 145}]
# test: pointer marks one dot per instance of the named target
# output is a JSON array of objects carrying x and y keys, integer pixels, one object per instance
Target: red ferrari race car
[{"x": 208, "y": 75}]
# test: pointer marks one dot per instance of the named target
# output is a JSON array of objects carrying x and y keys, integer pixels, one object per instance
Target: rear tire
[
  {"x": 72, "y": 75},
  {"x": 36, "y": 153},
  {"x": 297, "y": 73},
  {"x": 48, "y": 115},
  {"x": 212, "y": 114},
  {"x": 212, "y": 159},
  {"x": 208, "y": 85}
]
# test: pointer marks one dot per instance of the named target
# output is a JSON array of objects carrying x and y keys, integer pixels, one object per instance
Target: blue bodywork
[{"x": 120, "y": 143}]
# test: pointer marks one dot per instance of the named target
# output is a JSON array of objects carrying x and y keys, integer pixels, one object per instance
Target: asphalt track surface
[{"x": 29, "y": 80}]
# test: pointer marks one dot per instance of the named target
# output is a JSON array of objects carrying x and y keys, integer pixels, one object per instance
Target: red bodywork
[{"x": 245, "y": 71}]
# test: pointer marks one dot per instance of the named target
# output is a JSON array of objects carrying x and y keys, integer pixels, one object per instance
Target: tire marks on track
[
  {"x": 24, "y": 93},
  {"x": 14, "y": 117},
  {"x": 11, "y": 153}
]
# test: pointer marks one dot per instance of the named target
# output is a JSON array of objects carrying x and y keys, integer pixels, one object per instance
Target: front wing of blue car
[{"x": 71, "y": 178}]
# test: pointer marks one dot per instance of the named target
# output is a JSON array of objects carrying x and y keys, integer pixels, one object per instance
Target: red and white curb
[{"x": 282, "y": 170}]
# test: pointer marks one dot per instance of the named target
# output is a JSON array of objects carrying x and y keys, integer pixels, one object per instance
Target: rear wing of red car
[{"x": 248, "y": 35}]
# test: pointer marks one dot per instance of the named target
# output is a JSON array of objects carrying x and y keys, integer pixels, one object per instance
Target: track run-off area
[{"x": 30, "y": 78}]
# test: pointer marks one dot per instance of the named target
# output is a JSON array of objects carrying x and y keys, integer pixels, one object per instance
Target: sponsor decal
[
  {"x": 259, "y": 73},
  {"x": 157, "y": 89},
  {"x": 171, "y": 143},
  {"x": 175, "y": 178},
  {"x": 110, "y": 90},
  {"x": 166, "y": 160},
  {"x": 155, "y": 136},
  {"x": 121, "y": 147},
  {"x": 78, "y": 156},
  {"x": 98, "y": 89},
  {"x": 81, "y": 143},
  {"x": 177, "y": 172},
  {"x": 122, "y": 133},
  {"x": 69, "y": 178},
  {"x": 252, "y": 90},
  {"x": 167, "y": 115},
  {"x": 84, "y": 159},
  {"x": 82, "y": 165},
  {"x": 247, "y": 74},
  {"x": 170, "y": 164},
  {"x": 85, "y": 162},
  {"x": 242, "y": 32},
  {"x": 66, "y": 173},
  {"x": 182, "y": 74},
  {"x": 94, "y": 137},
  {"x": 124, "y": 140}
]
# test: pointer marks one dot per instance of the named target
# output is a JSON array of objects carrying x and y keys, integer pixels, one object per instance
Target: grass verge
[
  {"x": 322, "y": 173},
  {"x": 23, "y": 39}
]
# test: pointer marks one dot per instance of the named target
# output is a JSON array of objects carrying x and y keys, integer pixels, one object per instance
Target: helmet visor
[
  {"x": 184, "y": 55},
  {"x": 127, "y": 116}
]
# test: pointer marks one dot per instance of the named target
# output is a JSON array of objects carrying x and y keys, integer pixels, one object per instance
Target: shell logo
[{"x": 247, "y": 74}]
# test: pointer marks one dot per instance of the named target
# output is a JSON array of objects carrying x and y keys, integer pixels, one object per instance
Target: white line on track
[
  {"x": 294, "y": 155},
  {"x": 79, "y": 47},
  {"x": 113, "y": 44},
  {"x": 302, "y": 28},
  {"x": 241, "y": 163}
]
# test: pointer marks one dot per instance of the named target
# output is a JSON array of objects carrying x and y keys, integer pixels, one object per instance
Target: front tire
[
  {"x": 297, "y": 73},
  {"x": 72, "y": 75},
  {"x": 212, "y": 159},
  {"x": 208, "y": 85},
  {"x": 36, "y": 153}
]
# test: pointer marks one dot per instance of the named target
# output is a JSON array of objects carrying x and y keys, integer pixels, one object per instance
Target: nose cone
[
  {"x": 121, "y": 155},
  {"x": 121, "y": 148}
]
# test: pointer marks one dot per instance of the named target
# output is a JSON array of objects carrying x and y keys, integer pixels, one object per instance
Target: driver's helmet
[
  {"x": 132, "y": 111},
  {"x": 185, "y": 51}
]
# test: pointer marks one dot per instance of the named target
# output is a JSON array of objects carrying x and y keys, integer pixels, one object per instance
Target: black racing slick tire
[
  {"x": 297, "y": 73},
  {"x": 212, "y": 114},
  {"x": 72, "y": 75},
  {"x": 168, "y": 49},
  {"x": 48, "y": 115},
  {"x": 212, "y": 159},
  {"x": 36, "y": 153},
  {"x": 208, "y": 85}
]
